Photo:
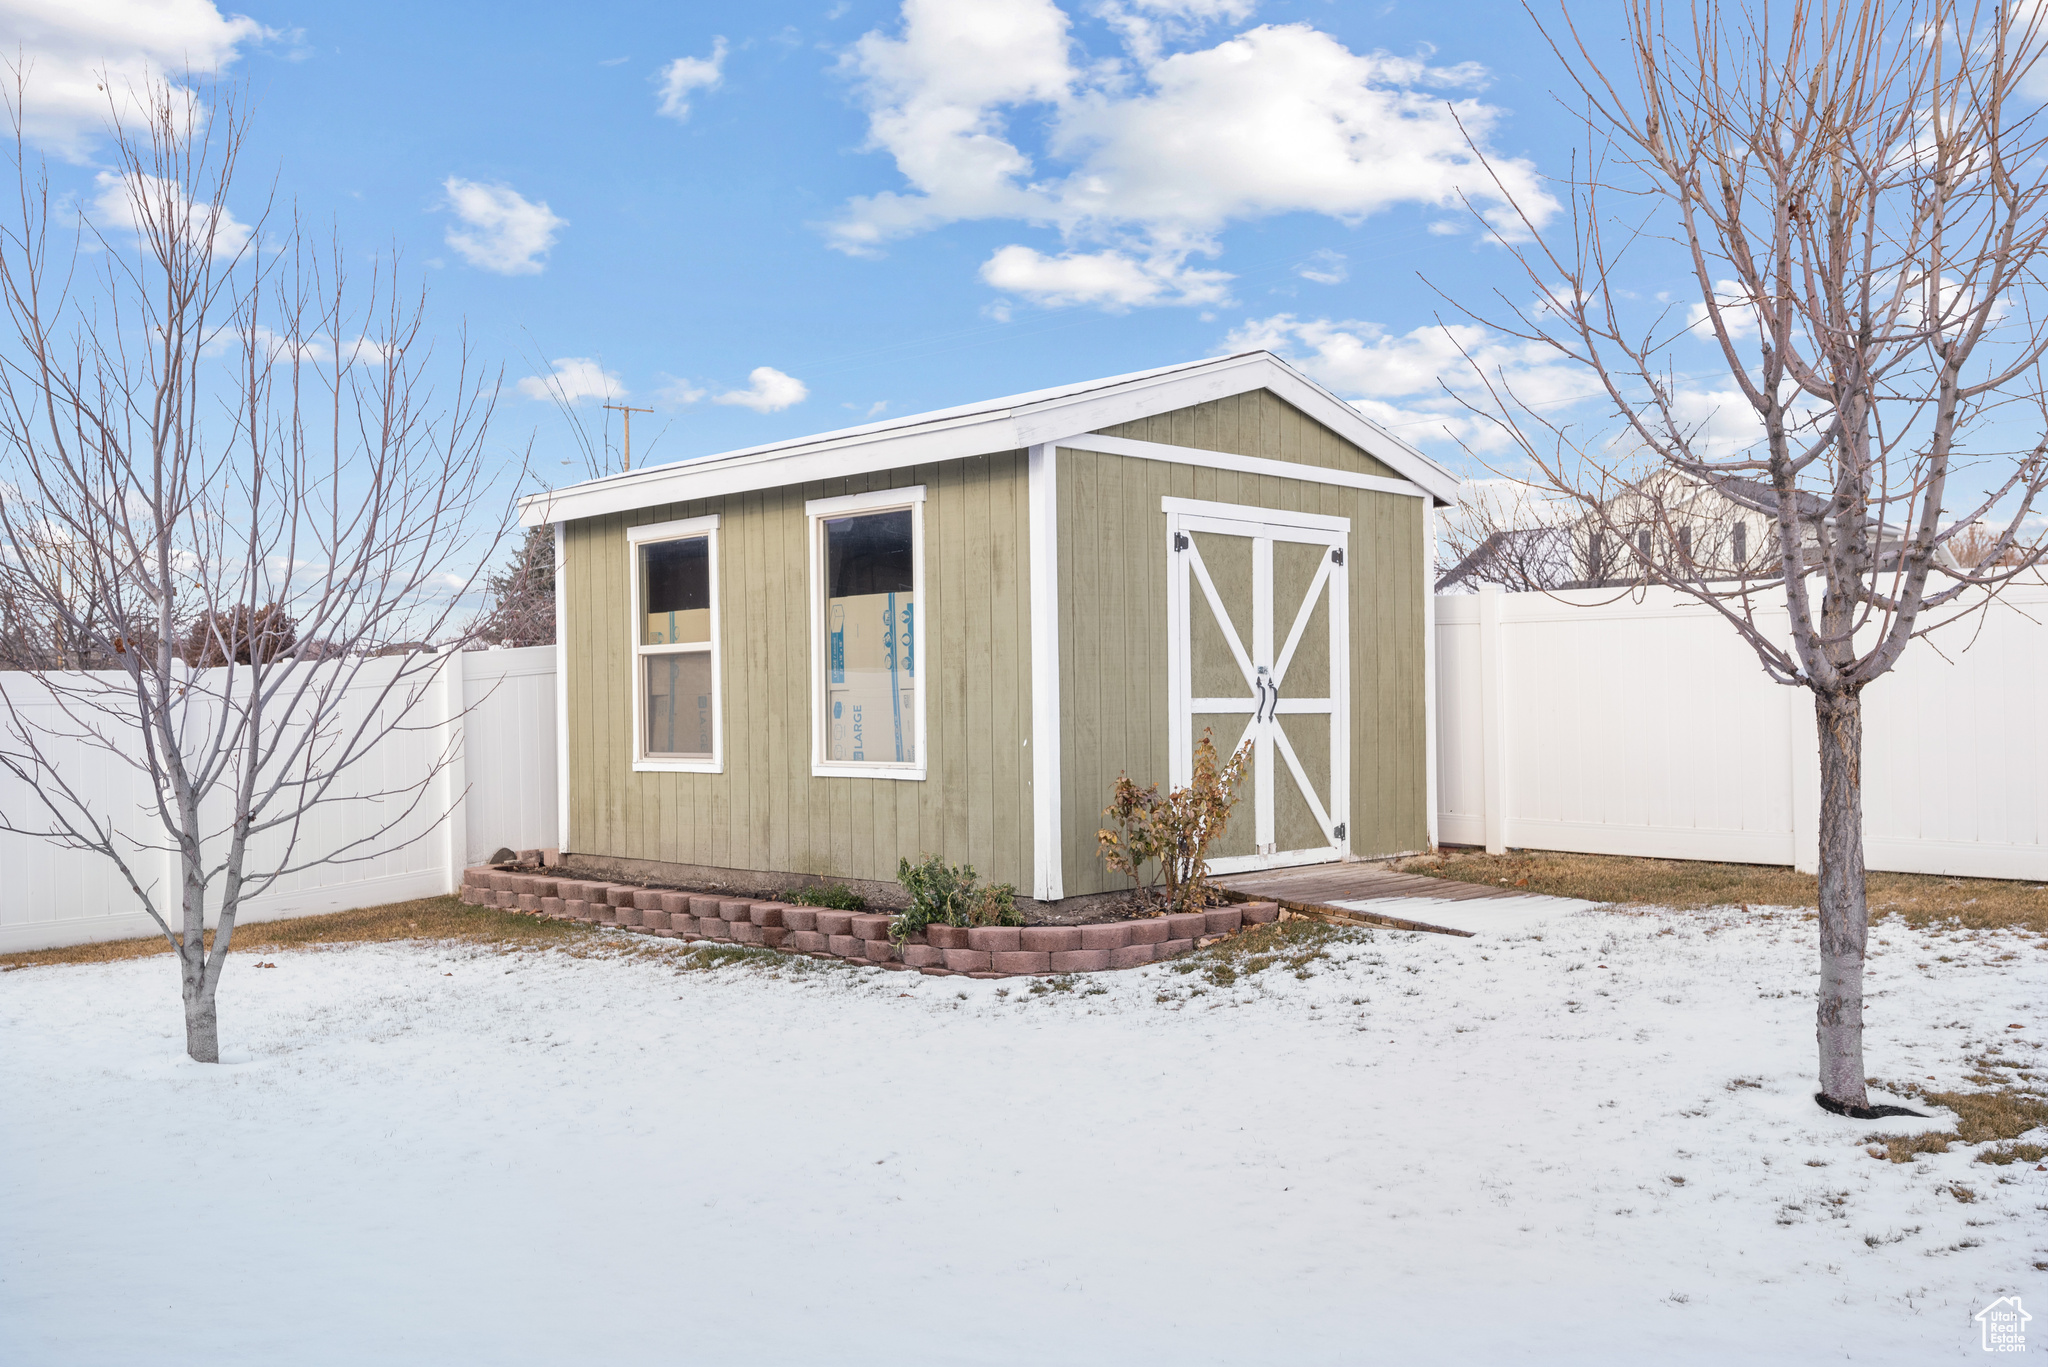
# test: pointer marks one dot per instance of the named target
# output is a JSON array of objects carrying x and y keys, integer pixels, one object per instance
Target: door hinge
[
  {"x": 1180, "y": 541},
  {"x": 1336, "y": 555},
  {"x": 1337, "y": 833}
]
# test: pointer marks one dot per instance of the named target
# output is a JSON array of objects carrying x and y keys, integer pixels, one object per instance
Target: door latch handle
[{"x": 1272, "y": 699}]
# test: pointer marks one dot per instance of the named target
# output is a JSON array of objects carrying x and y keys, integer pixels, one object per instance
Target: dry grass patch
[
  {"x": 1922, "y": 900},
  {"x": 2006, "y": 1113},
  {"x": 429, "y": 918},
  {"x": 2000, "y": 1111},
  {"x": 1902, "y": 1148},
  {"x": 1293, "y": 945}
]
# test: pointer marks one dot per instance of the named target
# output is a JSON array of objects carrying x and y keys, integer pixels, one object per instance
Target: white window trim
[
  {"x": 636, "y": 685},
  {"x": 815, "y": 512}
]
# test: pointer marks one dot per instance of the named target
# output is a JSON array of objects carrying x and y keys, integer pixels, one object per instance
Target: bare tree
[
  {"x": 245, "y": 463},
  {"x": 1852, "y": 192},
  {"x": 1505, "y": 533}
]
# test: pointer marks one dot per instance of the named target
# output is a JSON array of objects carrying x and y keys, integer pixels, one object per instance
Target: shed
[{"x": 949, "y": 633}]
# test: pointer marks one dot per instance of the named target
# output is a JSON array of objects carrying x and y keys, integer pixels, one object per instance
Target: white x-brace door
[{"x": 1259, "y": 652}]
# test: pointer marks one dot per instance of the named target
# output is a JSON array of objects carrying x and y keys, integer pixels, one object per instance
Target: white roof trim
[{"x": 1007, "y": 424}]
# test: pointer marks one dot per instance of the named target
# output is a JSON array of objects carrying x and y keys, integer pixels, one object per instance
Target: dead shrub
[{"x": 1174, "y": 831}]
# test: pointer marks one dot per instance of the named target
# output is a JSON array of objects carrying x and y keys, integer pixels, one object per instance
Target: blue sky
[{"x": 775, "y": 218}]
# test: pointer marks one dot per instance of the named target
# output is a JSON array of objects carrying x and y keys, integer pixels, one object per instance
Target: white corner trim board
[
  {"x": 1246, "y": 465},
  {"x": 1430, "y": 708},
  {"x": 561, "y": 690},
  {"x": 1048, "y": 873}
]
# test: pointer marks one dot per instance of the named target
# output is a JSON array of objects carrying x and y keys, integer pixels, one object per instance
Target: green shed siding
[
  {"x": 1258, "y": 423},
  {"x": 1113, "y": 633},
  {"x": 766, "y": 811}
]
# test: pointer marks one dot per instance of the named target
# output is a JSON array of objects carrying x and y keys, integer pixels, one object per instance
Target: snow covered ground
[{"x": 1537, "y": 1145}]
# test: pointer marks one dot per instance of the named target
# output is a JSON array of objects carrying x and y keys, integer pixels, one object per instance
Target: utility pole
[{"x": 629, "y": 412}]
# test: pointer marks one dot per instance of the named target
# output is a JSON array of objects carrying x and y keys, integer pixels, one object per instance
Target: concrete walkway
[
  {"x": 1405, "y": 901},
  {"x": 1475, "y": 916}
]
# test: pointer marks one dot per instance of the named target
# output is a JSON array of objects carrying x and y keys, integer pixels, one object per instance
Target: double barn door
[{"x": 1259, "y": 653}]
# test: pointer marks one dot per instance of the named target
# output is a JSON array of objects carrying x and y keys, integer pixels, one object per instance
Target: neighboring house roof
[
  {"x": 975, "y": 429},
  {"x": 1500, "y": 545},
  {"x": 1762, "y": 498}
]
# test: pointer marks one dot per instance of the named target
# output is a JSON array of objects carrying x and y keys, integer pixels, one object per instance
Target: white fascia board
[{"x": 833, "y": 458}]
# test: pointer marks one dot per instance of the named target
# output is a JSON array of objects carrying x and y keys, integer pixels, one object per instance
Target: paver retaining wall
[{"x": 860, "y": 936}]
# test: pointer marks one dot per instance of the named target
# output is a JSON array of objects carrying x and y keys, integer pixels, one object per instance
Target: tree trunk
[
  {"x": 202, "y": 1028},
  {"x": 1844, "y": 917}
]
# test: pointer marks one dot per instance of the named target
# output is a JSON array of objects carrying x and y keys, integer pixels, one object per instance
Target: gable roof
[{"x": 977, "y": 429}]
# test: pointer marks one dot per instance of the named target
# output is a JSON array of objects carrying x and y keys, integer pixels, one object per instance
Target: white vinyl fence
[
  {"x": 499, "y": 791},
  {"x": 1589, "y": 721},
  {"x": 1607, "y": 723}
]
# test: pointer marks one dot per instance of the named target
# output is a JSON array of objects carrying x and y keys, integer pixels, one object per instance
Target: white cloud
[
  {"x": 1324, "y": 267},
  {"x": 934, "y": 98},
  {"x": 1146, "y": 26},
  {"x": 686, "y": 75},
  {"x": 369, "y": 351},
  {"x": 769, "y": 391},
  {"x": 1399, "y": 380},
  {"x": 1488, "y": 505},
  {"x": 573, "y": 379},
  {"x": 79, "y": 54},
  {"x": 152, "y": 207},
  {"x": 1203, "y": 10},
  {"x": 1718, "y": 423},
  {"x": 498, "y": 228},
  {"x": 1111, "y": 279},
  {"x": 1355, "y": 357},
  {"x": 1156, "y": 153},
  {"x": 676, "y": 393},
  {"x": 1737, "y": 314},
  {"x": 1416, "y": 384}
]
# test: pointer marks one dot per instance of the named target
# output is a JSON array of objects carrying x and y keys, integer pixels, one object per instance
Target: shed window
[
  {"x": 869, "y": 643},
  {"x": 675, "y": 624}
]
